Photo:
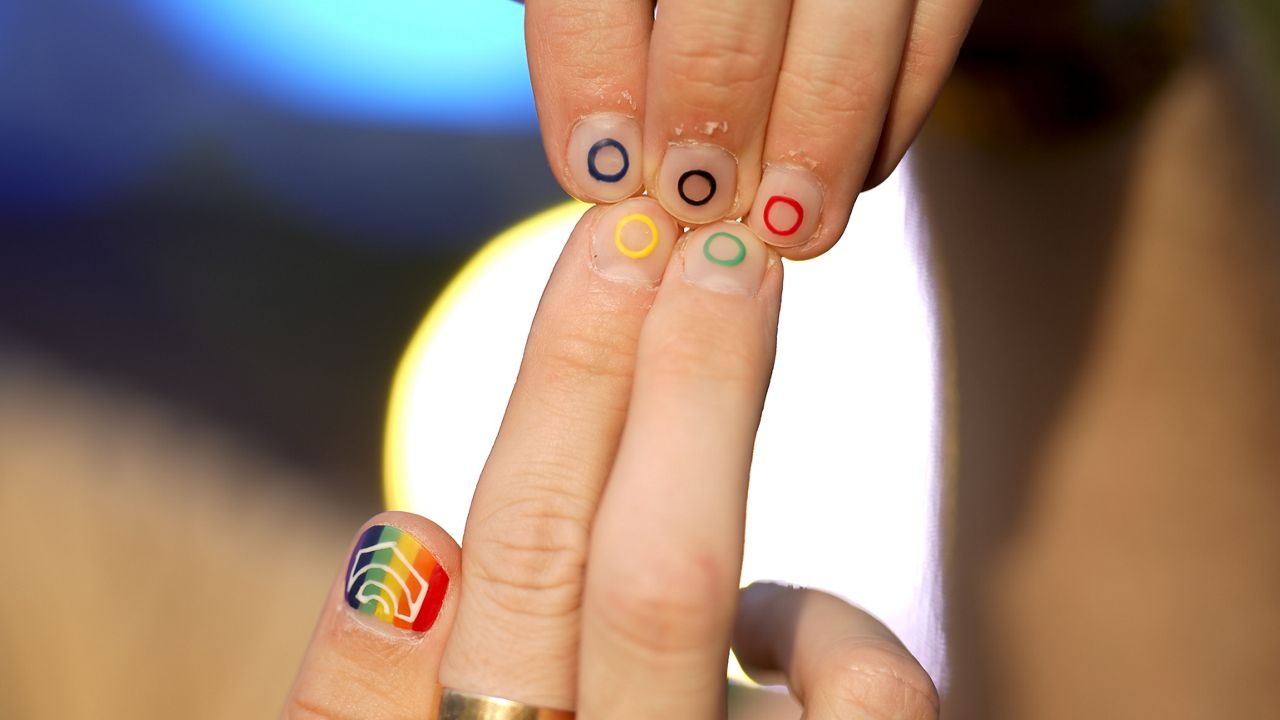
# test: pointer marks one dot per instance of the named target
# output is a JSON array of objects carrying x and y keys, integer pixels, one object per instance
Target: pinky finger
[
  {"x": 938, "y": 28},
  {"x": 838, "y": 660}
]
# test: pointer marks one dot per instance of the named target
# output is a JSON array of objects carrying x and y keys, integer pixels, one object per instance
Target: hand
[
  {"x": 781, "y": 111},
  {"x": 600, "y": 565}
]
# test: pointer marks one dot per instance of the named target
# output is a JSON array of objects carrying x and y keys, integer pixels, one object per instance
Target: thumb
[{"x": 376, "y": 649}]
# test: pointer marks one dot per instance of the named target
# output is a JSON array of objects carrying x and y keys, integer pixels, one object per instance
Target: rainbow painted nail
[{"x": 395, "y": 579}]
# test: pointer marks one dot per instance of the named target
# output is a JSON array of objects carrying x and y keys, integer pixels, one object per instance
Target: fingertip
[
  {"x": 400, "y": 572},
  {"x": 788, "y": 207},
  {"x": 604, "y": 162}
]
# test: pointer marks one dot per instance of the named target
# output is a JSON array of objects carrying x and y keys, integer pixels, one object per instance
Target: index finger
[{"x": 587, "y": 61}]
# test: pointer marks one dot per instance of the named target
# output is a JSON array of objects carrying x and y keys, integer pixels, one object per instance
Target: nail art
[
  {"x": 770, "y": 217},
  {"x": 593, "y": 160},
  {"x": 632, "y": 241},
  {"x": 725, "y": 257},
  {"x": 603, "y": 156},
  {"x": 698, "y": 182},
  {"x": 707, "y": 193},
  {"x": 792, "y": 203},
  {"x": 394, "y": 578},
  {"x": 643, "y": 252},
  {"x": 739, "y": 255}
]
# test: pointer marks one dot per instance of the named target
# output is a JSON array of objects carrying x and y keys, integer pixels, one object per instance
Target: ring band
[{"x": 458, "y": 705}]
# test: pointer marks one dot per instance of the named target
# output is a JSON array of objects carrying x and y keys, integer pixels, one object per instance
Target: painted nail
[
  {"x": 396, "y": 579},
  {"x": 698, "y": 183},
  {"x": 632, "y": 241},
  {"x": 725, "y": 257},
  {"x": 787, "y": 206},
  {"x": 604, "y": 156}
]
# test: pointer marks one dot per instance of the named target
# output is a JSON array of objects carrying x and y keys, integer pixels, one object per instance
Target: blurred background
[
  {"x": 222, "y": 223},
  {"x": 256, "y": 200}
]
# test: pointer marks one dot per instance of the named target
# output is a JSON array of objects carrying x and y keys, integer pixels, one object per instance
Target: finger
[
  {"x": 376, "y": 649},
  {"x": 712, "y": 69},
  {"x": 666, "y": 549},
  {"x": 587, "y": 64},
  {"x": 838, "y": 661},
  {"x": 834, "y": 87},
  {"x": 526, "y": 539},
  {"x": 938, "y": 28}
]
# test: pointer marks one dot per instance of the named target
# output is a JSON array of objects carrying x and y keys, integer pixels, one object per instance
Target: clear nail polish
[
  {"x": 631, "y": 242},
  {"x": 725, "y": 257},
  {"x": 605, "y": 157},
  {"x": 698, "y": 182},
  {"x": 787, "y": 207}
]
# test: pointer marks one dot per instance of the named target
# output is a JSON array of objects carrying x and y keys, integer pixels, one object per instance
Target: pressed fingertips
[
  {"x": 787, "y": 207},
  {"x": 725, "y": 257},
  {"x": 605, "y": 158},
  {"x": 632, "y": 242},
  {"x": 698, "y": 182},
  {"x": 396, "y": 579}
]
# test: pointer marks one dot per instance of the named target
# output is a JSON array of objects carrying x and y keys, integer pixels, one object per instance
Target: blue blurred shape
[{"x": 441, "y": 63}]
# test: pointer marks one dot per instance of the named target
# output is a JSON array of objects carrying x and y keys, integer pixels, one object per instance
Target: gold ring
[{"x": 458, "y": 705}]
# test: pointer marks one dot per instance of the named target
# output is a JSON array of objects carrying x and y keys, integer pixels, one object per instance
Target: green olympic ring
[{"x": 735, "y": 260}]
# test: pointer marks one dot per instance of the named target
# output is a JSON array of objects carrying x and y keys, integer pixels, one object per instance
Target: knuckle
[
  {"x": 527, "y": 556},
  {"x": 703, "y": 354},
  {"x": 584, "y": 37},
  {"x": 679, "y": 604},
  {"x": 876, "y": 680},
  {"x": 584, "y": 353},
  {"x": 832, "y": 95},
  {"x": 717, "y": 72}
]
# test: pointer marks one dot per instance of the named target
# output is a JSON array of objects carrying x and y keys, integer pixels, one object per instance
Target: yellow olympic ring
[{"x": 642, "y": 252}]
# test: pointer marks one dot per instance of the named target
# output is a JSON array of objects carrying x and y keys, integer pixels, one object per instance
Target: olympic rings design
[
  {"x": 595, "y": 150},
  {"x": 730, "y": 262},
  {"x": 711, "y": 180},
  {"x": 642, "y": 252},
  {"x": 768, "y": 208}
]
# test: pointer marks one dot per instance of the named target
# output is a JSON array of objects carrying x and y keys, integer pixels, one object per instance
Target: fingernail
[
  {"x": 604, "y": 156},
  {"x": 787, "y": 207},
  {"x": 396, "y": 579},
  {"x": 725, "y": 257},
  {"x": 698, "y": 182},
  {"x": 632, "y": 242}
]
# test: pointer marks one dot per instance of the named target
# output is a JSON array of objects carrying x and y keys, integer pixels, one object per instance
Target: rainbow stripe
[{"x": 394, "y": 578}]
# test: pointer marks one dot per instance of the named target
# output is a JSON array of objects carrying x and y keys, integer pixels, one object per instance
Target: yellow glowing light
[{"x": 397, "y": 479}]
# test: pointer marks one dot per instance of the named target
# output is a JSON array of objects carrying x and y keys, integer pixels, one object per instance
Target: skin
[
  {"x": 828, "y": 90},
  {"x": 1113, "y": 428},
  {"x": 581, "y": 586}
]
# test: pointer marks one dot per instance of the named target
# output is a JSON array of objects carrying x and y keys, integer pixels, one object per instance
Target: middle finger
[
  {"x": 712, "y": 69},
  {"x": 666, "y": 547}
]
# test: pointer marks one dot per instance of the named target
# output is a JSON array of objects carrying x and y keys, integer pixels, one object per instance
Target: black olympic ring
[{"x": 711, "y": 180}]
